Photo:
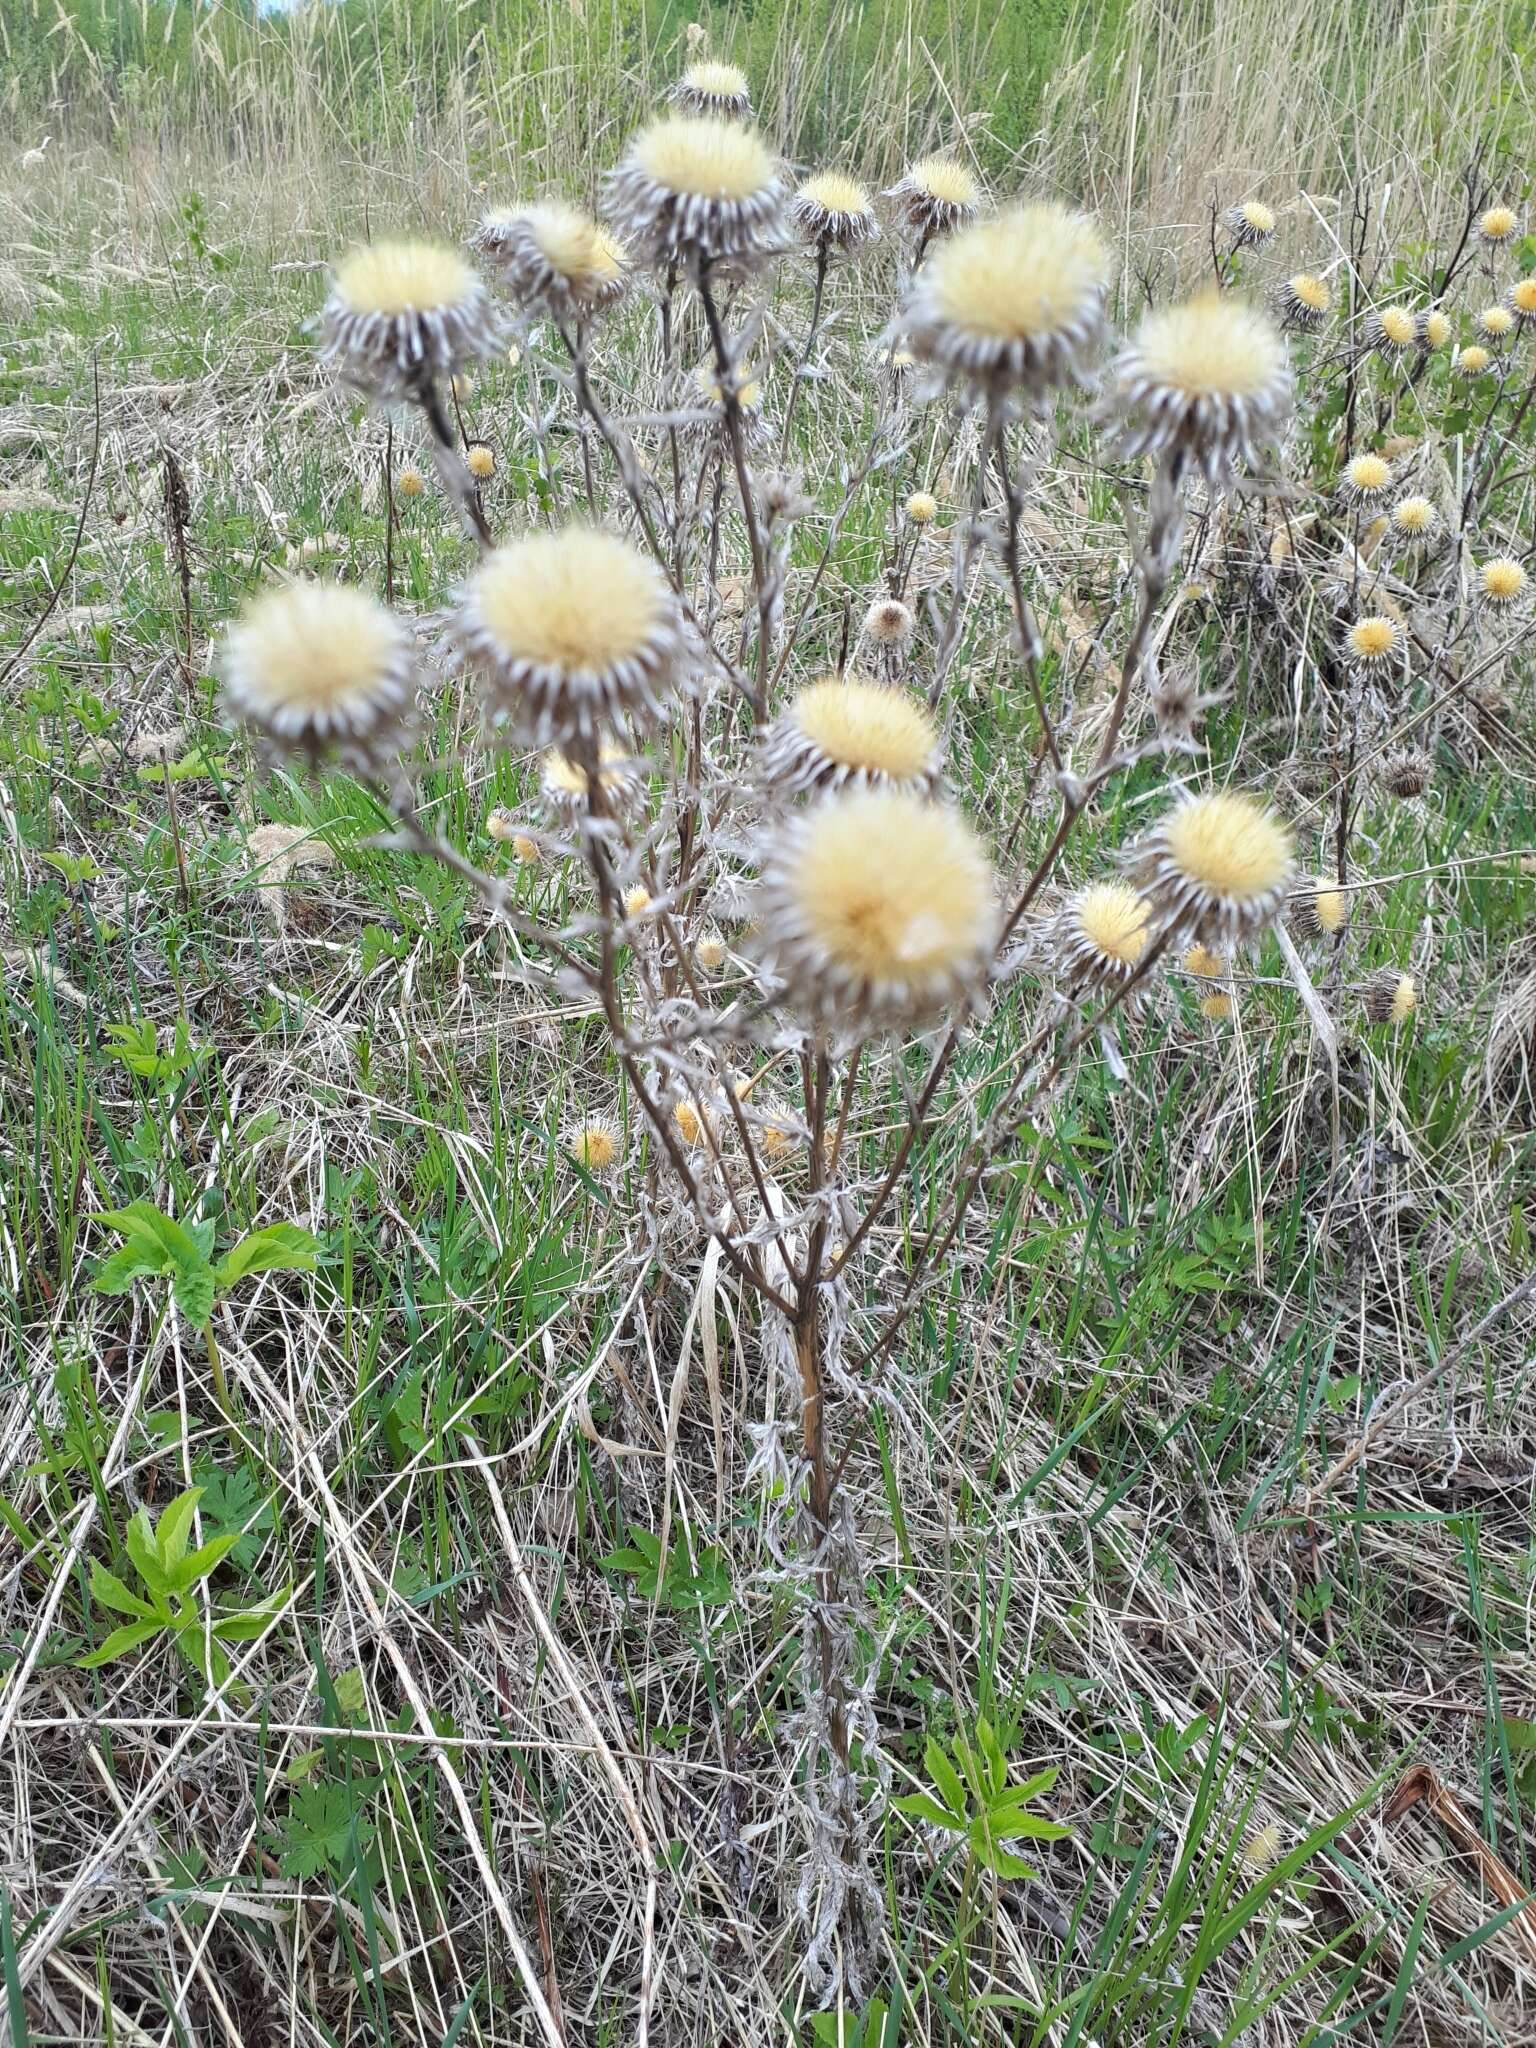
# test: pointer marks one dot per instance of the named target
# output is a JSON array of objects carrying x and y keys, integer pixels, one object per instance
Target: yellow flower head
[
  {"x": 696, "y": 186},
  {"x": 1205, "y": 964},
  {"x": 313, "y": 666},
  {"x": 835, "y": 211},
  {"x": 1373, "y": 644},
  {"x": 410, "y": 483},
  {"x": 1303, "y": 301},
  {"x": 401, "y": 310},
  {"x": 404, "y": 277},
  {"x": 637, "y": 900},
  {"x": 938, "y": 194},
  {"x": 1437, "y": 328},
  {"x": 709, "y": 952},
  {"x": 1217, "y": 1006},
  {"x": 840, "y": 731},
  {"x": 704, "y": 158},
  {"x": 1217, "y": 868},
  {"x": 570, "y": 630},
  {"x": 565, "y": 781},
  {"x": 1251, "y": 224},
  {"x": 1320, "y": 910},
  {"x": 1472, "y": 361},
  {"x": 1396, "y": 327},
  {"x": 1018, "y": 299},
  {"x": 710, "y": 87},
  {"x": 878, "y": 905},
  {"x": 1311, "y": 291},
  {"x": 1414, "y": 516},
  {"x": 1210, "y": 375},
  {"x": 1499, "y": 224},
  {"x": 1101, "y": 936},
  {"x": 480, "y": 462},
  {"x": 1495, "y": 323},
  {"x": 1391, "y": 997},
  {"x": 1366, "y": 479},
  {"x": 1522, "y": 298},
  {"x": 1501, "y": 581},
  {"x": 526, "y": 849},
  {"x": 922, "y": 508},
  {"x": 594, "y": 1145}
]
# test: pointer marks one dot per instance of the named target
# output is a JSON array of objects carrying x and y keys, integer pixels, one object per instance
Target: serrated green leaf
[
  {"x": 918, "y": 1806},
  {"x": 120, "y": 1642},
  {"x": 192, "y": 1286},
  {"x": 946, "y": 1779},
  {"x": 117, "y": 1273},
  {"x": 205, "y": 1559},
  {"x": 279, "y": 1248},
  {"x": 109, "y": 1590},
  {"x": 173, "y": 1531},
  {"x": 140, "y": 1539}
]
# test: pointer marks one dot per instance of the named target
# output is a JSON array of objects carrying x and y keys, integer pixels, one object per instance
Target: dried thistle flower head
[
  {"x": 1217, "y": 1006},
  {"x": 1389, "y": 996},
  {"x": 570, "y": 631},
  {"x": 1437, "y": 328},
  {"x": 749, "y": 401},
  {"x": 1012, "y": 302},
  {"x": 1366, "y": 482},
  {"x": 1216, "y": 868},
  {"x": 1406, "y": 773},
  {"x": 710, "y": 87},
  {"x": 554, "y": 259},
  {"x": 709, "y": 951},
  {"x": 922, "y": 508},
  {"x": 1501, "y": 583},
  {"x": 1206, "y": 965},
  {"x": 500, "y": 826},
  {"x": 526, "y": 849},
  {"x": 696, "y": 189},
  {"x": 937, "y": 195},
  {"x": 565, "y": 782},
  {"x": 1207, "y": 379},
  {"x": 1101, "y": 937},
  {"x": 1250, "y": 224},
  {"x": 322, "y": 668},
  {"x": 877, "y": 907},
  {"x": 834, "y": 211},
  {"x": 1521, "y": 300},
  {"x": 1414, "y": 517},
  {"x": 1319, "y": 910},
  {"x": 480, "y": 461},
  {"x": 888, "y": 622},
  {"x": 1392, "y": 329},
  {"x": 1373, "y": 647},
  {"x": 1302, "y": 302},
  {"x": 1179, "y": 705},
  {"x": 1472, "y": 361},
  {"x": 1261, "y": 1847},
  {"x": 692, "y": 1126},
  {"x": 399, "y": 312},
  {"x": 410, "y": 483},
  {"x": 841, "y": 731},
  {"x": 595, "y": 1145},
  {"x": 1500, "y": 224},
  {"x": 1495, "y": 324},
  {"x": 637, "y": 900}
]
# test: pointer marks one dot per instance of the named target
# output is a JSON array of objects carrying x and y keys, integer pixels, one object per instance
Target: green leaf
[
  {"x": 109, "y": 1590},
  {"x": 120, "y": 1642},
  {"x": 251, "y": 1623},
  {"x": 205, "y": 1559},
  {"x": 116, "y": 1274},
  {"x": 192, "y": 1287},
  {"x": 918, "y": 1806},
  {"x": 141, "y": 1222},
  {"x": 280, "y": 1248},
  {"x": 319, "y": 1830},
  {"x": 173, "y": 1531},
  {"x": 946, "y": 1778},
  {"x": 143, "y": 1550}
]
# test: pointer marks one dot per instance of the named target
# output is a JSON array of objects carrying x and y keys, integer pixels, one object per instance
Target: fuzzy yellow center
[
  {"x": 1217, "y": 1006},
  {"x": 595, "y": 1147},
  {"x": 1523, "y": 295},
  {"x": 1495, "y": 320},
  {"x": 1437, "y": 329},
  {"x": 921, "y": 507},
  {"x": 1230, "y": 845},
  {"x": 749, "y": 395},
  {"x": 704, "y": 158},
  {"x": 1413, "y": 515},
  {"x": 1202, "y": 961},
  {"x": 1113, "y": 919},
  {"x": 564, "y": 777},
  {"x": 1474, "y": 360},
  {"x": 1371, "y": 638},
  {"x": 1330, "y": 907},
  {"x": 941, "y": 178},
  {"x": 480, "y": 462},
  {"x": 1369, "y": 473},
  {"x": 835, "y": 193},
  {"x": 1498, "y": 223},
  {"x": 893, "y": 889},
  {"x": 713, "y": 80},
  {"x": 690, "y": 1125},
  {"x": 316, "y": 646},
  {"x": 577, "y": 599},
  {"x": 1258, "y": 216},
  {"x": 1032, "y": 272},
  {"x": 860, "y": 725},
  {"x": 1405, "y": 998},
  {"x": 1214, "y": 345},
  {"x": 1399, "y": 325},
  {"x": 403, "y": 277},
  {"x": 1309, "y": 291},
  {"x": 1502, "y": 578},
  {"x": 573, "y": 244}
]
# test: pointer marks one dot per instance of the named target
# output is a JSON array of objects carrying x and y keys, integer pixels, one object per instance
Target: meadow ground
[{"x": 1208, "y": 1486}]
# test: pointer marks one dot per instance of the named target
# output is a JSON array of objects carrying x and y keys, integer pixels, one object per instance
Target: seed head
[
  {"x": 1406, "y": 773},
  {"x": 922, "y": 508},
  {"x": 1251, "y": 225},
  {"x": 834, "y": 212},
  {"x": 1100, "y": 937},
  {"x": 1392, "y": 329},
  {"x": 710, "y": 87},
  {"x": 877, "y": 908},
  {"x": 937, "y": 195},
  {"x": 554, "y": 259},
  {"x": 1261, "y": 1847},
  {"x": 480, "y": 462},
  {"x": 1495, "y": 324},
  {"x": 410, "y": 483},
  {"x": 1521, "y": 300},
  {"x": 846, "y": 732},
  {"x": 322, "y": 668},
  {"x": 1413, "y": 517},
  {"x": 696, "y": 189},
  {"x": 709, "y": 952},
  {"x": 1319, "y": 910},
  {"x": 1366, "y": 482},
  {"x": 1389, "y": 996},
  {"x": 399, "y": 312},
  {"x": 595, "y": 1145},
  {"x": 1501, "y": 583},
  {"x": 569, "y": 631},
  {"x": 1208, "y": 378},
  {"x": 1373, "y": 647},
  {"x": 1500, "y": 224},
  {"x": 1437, "y": 328},
  {"x": 1472, "y": 361},
  {"x": 1302, "y": 302},
  {"x": 1216, "y": 869},
  {"x": 1012, "y": 302},
  {"x": 888, "y": 622}
]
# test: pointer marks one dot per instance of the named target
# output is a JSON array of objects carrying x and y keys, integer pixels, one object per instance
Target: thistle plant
[{"x": 782, "y": 913}]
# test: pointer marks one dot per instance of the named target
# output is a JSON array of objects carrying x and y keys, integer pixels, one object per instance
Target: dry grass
[{"x": 1115, "y": 1505}]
